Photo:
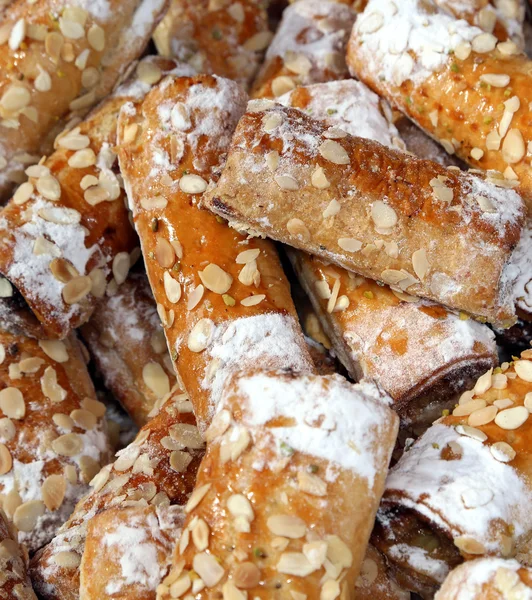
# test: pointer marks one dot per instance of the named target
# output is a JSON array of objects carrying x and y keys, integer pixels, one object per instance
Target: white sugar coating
[
  {"x": 137, "y": 543},
  {"x": 271, "y": 340},
  {"x": 466, "y": 581},
  {"x": 419, "y": 560},
  {"x": 350, "y": 105},
  {"x": 98, "y": 9},
  {"x": 32, "y": 271},
  {"x": 520, "y": 270},
  {"x": 439, "y": 490},
  {"x": 315, "y": 29},
  {"x": 27, "y": 479},
  {"x": 143, "y": 19},
  {"x": 336, "y": 421},
  {"x": 213, "y": 111},
  {"x": 409, "y": 44}
]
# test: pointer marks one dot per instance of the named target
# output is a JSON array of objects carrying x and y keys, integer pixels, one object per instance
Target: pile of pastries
[{"x": 265, "y": 300}]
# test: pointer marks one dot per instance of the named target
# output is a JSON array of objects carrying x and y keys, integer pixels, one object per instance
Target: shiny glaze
[{"x": 204, "y": 237}]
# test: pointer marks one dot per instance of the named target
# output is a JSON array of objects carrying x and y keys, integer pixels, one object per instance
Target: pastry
[
  {"x": 222, "y": 37},
  {"x": 60, "y": 58},
  {"x": 65, "y": 235},
  {"x": 469, "y": 92},
  {"x": 336, "y": 196},
  {"x": 144, "y": 488},
  {"x": 127, "y": 343},
  {"x": 315, "y": 452},
  {"x": 53, "y": 434},
  {"x": 487, "y": 579},
  {"x": 224, "y": 301},
  {"x": 461, "y": 491},
  {"x": 309, "y": 47}
]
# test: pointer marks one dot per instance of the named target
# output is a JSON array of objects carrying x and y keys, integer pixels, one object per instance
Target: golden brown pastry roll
[
  {"x": 315, "y": 187},
  {"x": 463, "y": 489},
  {"x": 65, "y": 235},
  {"x": 309, "y": 47},
  {"x": 418, "y": 351},
  {"x": 487, "y": 579},
  {"x": 59, "y": 58},
  {"x": 15, "y": 583},
  {"x": 223, "y": 37},
  {"x": 456, "y": 81},
  {"x": 375, "y": 581},
  {"x": 53, "y": 438},
  {"x": 287, "y": 491},
  {"x": 143, "y": 489},
  {"x": 224, "y": 300},
  {"x": 127, "y": 344}
]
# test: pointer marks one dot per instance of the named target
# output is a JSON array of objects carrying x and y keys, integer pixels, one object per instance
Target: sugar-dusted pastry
[
  {"x": 15, "y": 583},
  {"x": 144, "y": 489},
  {"x": 53, "y": 438},
  {"x": 443, "y": 235},
  {"x": 222, "y": 37},
  {"x": 224, "y": 301},
  {"x": 309, "y": 47},
  {"x": 456, "y": 81},
  {"x": 65, "y": 235},
  {"x": 463, "y": 489},
  {"x": 127, "y": 343},
  {"x": 419, "y": 352},
  {"x": 375, "y": 581},
  {"x": 487, "y": 579},
  {"x": 59, "y": 58},
  {"x": 286, "y": 493}
]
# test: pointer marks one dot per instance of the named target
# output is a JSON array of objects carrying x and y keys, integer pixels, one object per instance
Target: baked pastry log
[
  {"x": 221, "y": 38},
  {"x": 127, "y": 343},
  {"x": 311, "y": 186},
  {"x": 60, "y": 58},
  {"x": 15, "y": 583},
  {"x": 53, "y": 435},
  {"x": 463, "y": 489},
  {"x": 309, "y": 47},
  {"x": 65, "y": 235},
  {"x": 315, "y": 452},
  {"x": 466, "y": 90},
  {"x": 487, "y": 579},
  {"x": 224, "y": 300},
  {"x": 145, "y": 487},
  {"x": 375, "y": 581},
  {"x": 420, "y": 353}
]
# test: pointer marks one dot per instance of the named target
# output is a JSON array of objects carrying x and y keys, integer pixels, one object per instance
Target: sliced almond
[
  {"x": 289, "y": 526},
  {"x": 216, "y": 279},
  {"x": 12, "y": 403},
  {"x": 53, "y": 491},
  {"x": 334, "y": 152}
]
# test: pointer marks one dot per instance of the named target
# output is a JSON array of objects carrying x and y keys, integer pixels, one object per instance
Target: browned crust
[
  {"x": 204, "y": 237},
  {"x": 53, "y": 107},
  {"x": 258, "y": 204}
]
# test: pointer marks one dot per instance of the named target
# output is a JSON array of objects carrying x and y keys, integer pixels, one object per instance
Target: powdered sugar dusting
[
  {"x": 492, "y": 490},
  {"x": 402, "y": 42},
  {"x": 32, "y": 271},
  {"x": 351, "y": 106},
  {"x": 270, "y": 339},
  {"x": 420, "y": 560},
  {"x": 351, "y": 418},
  {"x": 520, "y": 270}
]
